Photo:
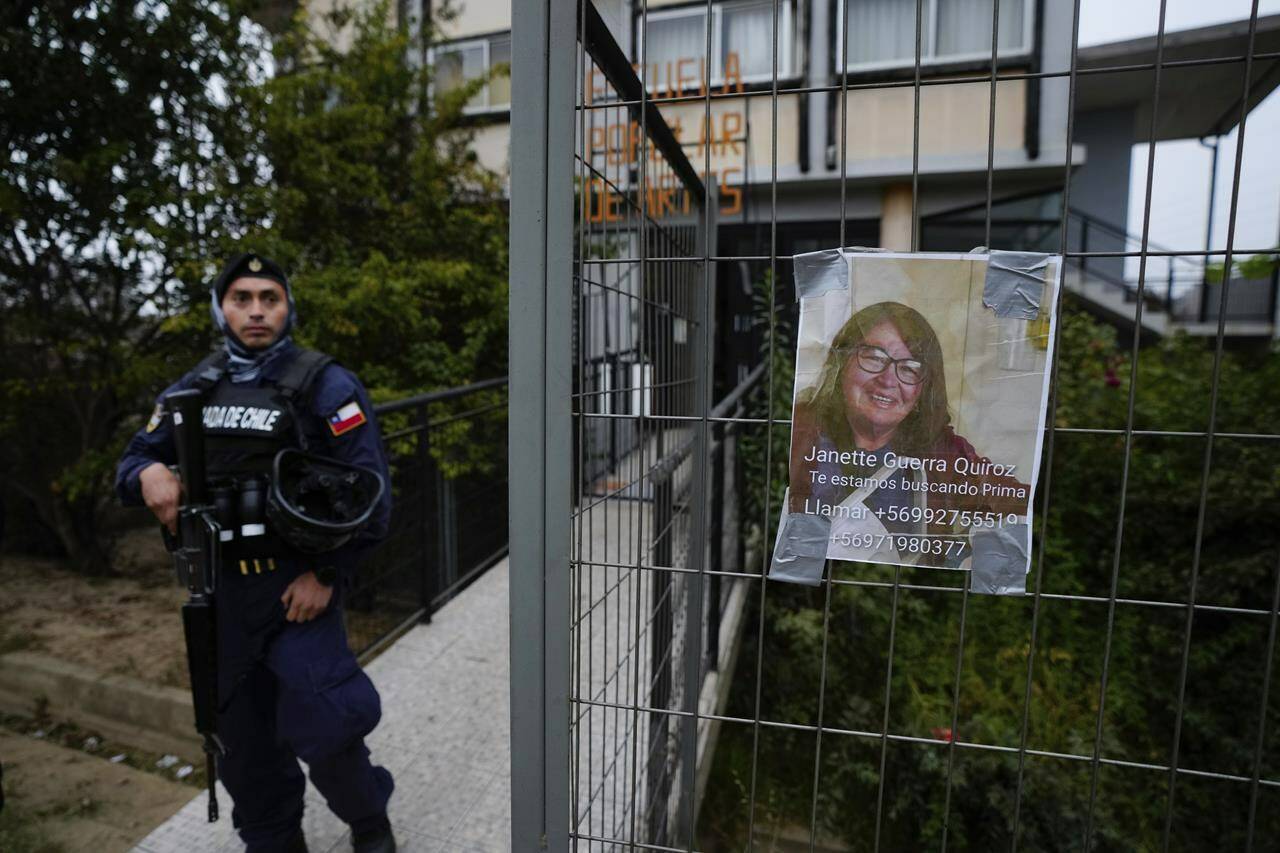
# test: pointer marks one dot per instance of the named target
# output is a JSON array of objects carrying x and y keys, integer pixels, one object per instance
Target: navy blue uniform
[{"x": 288, "y": 690}]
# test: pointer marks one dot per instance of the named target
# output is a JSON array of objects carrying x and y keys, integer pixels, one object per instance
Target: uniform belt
[
  {"x": 256, "y": 555},
  {"x": 252, "y": 565}
]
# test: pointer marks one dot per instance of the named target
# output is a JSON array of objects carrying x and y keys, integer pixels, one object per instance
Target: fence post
[
  {"x": 1275, "y": 293},
  {"x": 544, "y": 74},
  {"x": 740, "y": 554},
  {"x": 701, "y": 358},
  {"x": 1084, "y": 248},
  {"x": 717, "y": 545},
  {"x": 446, "y": 573},
  {"x": 427, "y": 489},
  {"x": 661, "y": 659}
]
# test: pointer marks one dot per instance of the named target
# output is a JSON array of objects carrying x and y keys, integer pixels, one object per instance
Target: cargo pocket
[
  {"x": 344, "y": 698},
  {"x": 333, "y": 706}
]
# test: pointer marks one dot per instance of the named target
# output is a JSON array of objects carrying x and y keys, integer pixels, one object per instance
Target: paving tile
[
  {"x": 445, "y": 736},
  {"x": 435, "y": 807},
  {"x": 408, "y": 841},
  {"x": 488, "y": 825},
  {"x": 322, "y": 828}
]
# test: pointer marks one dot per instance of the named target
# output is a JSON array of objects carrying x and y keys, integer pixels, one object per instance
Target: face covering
[{"x": 244, "y": 364}]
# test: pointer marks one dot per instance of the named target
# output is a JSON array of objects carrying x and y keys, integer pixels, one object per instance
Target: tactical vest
[{"x": 244, "y": 427}]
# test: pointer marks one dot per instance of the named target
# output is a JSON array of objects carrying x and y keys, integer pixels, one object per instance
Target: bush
[{"x": 1223, "y": 698}]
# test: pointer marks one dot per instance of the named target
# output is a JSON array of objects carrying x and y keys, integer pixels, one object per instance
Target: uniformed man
[{"x": 289, "y": 685}]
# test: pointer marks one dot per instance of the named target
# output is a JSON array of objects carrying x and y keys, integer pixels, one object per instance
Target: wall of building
[
  {"x": 492, "y": 147},
  {"x": 1029, "y": 139},
  {"x": 477, "y": 17},
  {"x": 1055, "y": 56},
  {"x": 1100, "y": 187},
  {"x": 954, "y": 122}
]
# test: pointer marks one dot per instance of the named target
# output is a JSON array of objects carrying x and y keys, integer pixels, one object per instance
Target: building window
[
  {"x": 459, "y": 63},
  {"x": 882, "y": 33},
  {"x": 741, "y": 44}
]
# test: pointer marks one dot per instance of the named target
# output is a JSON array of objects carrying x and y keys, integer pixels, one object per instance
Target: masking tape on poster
[
  {"x": 800, "y": 551},
  {"x": 821, "y": 272},
  {"x": 999, "y": 563},
  {"x": 1015, "y": 283}
]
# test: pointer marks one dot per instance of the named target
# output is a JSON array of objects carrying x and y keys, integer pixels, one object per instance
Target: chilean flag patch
[{"x": 346, "y": 419}]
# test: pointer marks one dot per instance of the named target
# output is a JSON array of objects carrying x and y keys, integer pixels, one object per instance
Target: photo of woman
[
  {"x": 876, "y": 438},
  {"x": 918, "y": 412}
]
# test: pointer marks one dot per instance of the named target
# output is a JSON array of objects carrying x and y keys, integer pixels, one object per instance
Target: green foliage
[
  {"x": 151, "y": 141},
  {"x": 1254, "y": 267},
  {"x": 1237, "y": 568},
  {"x": 394, "y": 235},
  {"x": 118, "y": 139},
  {"x": 764, "y": 452},
  {"x": 1259, "y": 266}
]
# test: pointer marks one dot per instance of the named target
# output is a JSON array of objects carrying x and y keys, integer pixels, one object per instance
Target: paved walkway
[{"x": 445, "y": 735}]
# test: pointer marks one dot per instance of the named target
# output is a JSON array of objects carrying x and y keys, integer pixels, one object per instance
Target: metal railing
[
  {"x": 1099, "y": 254},
  {"x": 449, "y": 518}
]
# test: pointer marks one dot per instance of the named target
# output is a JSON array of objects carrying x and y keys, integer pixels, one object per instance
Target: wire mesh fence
[
  {"x": 1126, "y": 701},
  {"x": 640, "y": 293}
]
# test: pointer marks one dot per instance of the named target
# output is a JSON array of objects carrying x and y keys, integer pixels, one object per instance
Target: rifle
[{"x": 197, "y": 560}]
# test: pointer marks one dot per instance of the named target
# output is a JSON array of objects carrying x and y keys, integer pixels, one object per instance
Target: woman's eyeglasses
[{"x": 872, "y": 359}]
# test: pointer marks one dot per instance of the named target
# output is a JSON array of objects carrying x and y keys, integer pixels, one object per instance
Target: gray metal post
[
  {"x": 426, "y": 479},
  {"x": 716, "y": 524},
  {"x": 661, "y": 637},
  {"x": 702, "y": 347},
  {"x": 542, "y": 131},
  {"x": 1084, "y": 247},
  {"x": 447, "y": 533},
  {"x": 739, "y": 541},
  {"x": 1208, "y": 228}
]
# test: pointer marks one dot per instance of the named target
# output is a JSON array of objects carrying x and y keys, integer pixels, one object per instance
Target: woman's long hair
[{"x": 922, "y": 428}]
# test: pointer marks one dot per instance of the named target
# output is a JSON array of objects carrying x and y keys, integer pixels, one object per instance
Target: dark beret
[{"x": 249, "y": 265}]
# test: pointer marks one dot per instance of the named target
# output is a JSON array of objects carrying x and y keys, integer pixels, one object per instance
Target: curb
[{"x": 134, "y": 712}]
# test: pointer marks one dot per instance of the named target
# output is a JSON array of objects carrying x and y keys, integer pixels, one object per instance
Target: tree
[
  {"x": 152, "y": 140},
  {"x": 118, "y": 132},
  {"x": 395, "y": 236}
]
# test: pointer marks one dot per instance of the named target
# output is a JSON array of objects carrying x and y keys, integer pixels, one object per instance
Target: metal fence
[
  {"x": 449, "y": 485},
  {"x": 639, "y": 605},
  {"x": 611, "y": 576}
]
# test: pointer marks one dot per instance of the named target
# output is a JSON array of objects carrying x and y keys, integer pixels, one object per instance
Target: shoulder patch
[
  {"x": 156, "y": 417},
  {"x": 346, "y": 419}
]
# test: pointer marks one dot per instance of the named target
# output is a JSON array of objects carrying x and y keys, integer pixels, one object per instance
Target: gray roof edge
[{"x": 1096, "y": 54}]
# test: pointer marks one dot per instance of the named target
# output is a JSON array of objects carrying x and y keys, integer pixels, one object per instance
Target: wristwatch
[{"x": 327, "y": 575}]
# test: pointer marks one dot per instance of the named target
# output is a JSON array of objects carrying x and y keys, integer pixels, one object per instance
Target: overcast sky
[{"x": 1180, "y": 191}]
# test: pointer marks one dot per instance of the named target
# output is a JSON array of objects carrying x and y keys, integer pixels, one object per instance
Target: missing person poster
[{"x": 918, "y": 415}]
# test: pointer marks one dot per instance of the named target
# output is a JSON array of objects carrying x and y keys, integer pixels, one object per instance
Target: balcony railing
[{"x": 1100, "y": 262}]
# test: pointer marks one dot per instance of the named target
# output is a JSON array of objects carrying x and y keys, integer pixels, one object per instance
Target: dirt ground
[
  {"x": 61, "y": 799},
  {"x": 125, "y": 625},
  {"x": 62, "y": 795}
]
